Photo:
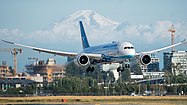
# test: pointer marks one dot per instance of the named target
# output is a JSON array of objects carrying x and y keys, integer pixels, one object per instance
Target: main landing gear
[
  {"x": 91, "y": 69},
  {"x": 124, "y": 65},
  {"x": 120, "y": 69}
]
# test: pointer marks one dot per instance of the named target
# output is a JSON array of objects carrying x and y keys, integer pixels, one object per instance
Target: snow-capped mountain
[
  {"x": 122, "y": 26},
  {"x": 90, "y": 18},
  {"x": 95, "y": 24}
]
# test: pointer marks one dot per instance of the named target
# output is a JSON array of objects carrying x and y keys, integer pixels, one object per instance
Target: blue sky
[
  {"x": 30, "y": 15},
  {"x": 24, "y": 17}
]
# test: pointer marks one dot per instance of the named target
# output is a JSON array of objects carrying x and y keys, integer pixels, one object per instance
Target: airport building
[{"x": 176, "y": 62}]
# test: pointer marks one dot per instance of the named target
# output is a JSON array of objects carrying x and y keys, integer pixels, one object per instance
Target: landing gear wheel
[
  {"x": 127, "y": 65},
  {"x": 120, "y": 69},
  {"x": 90, "y": 69}
]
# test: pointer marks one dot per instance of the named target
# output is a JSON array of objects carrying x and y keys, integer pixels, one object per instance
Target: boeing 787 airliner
[{"x": 115, "y": 52}]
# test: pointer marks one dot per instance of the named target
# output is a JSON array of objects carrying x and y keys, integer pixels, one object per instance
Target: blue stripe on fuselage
[
  {"x": 117, "y": 58},
  {"x": 122, "y": 57}
]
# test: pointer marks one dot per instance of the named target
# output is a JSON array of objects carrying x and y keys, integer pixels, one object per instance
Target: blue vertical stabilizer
[{"x": 85, "y": 43}]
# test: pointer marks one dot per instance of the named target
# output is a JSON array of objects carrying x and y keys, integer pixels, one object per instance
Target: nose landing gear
[{"x": 127, "y": 65}]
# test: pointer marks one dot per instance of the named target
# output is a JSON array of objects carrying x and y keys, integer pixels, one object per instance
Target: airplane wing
[
  {"x": 61, "y": 53},
  {"x": 164, "y": 48}
]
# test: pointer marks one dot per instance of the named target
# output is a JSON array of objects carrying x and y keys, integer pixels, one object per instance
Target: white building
[
  {"x": 176, "y": 62},
  {"x": 153, "y": 75}
]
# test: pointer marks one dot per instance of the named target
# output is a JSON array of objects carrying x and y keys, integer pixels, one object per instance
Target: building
[
  {"x": 49, "y": 70},
  {"x": 153, "y": 75},
  {"x": 167, "y": 61},
  {"x": 176, "y": 62},
  {"x": 21, "y": 80},
  {"x": 7, "y": 83},
  {"x": 5, "y": 70},
  {"x": 153, "y": 66}
]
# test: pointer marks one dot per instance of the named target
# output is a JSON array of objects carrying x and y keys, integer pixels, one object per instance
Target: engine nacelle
[
  {"x": 145, "y": 59},
  {"x": 82, "y": 60}
]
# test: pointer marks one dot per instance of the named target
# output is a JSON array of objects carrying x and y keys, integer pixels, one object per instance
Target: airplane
[{"x": 115, "y": 52}]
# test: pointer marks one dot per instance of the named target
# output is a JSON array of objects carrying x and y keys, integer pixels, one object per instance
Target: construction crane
[
  {"x": 14, "y": 52},
  {"x": 172, "y": 30}
]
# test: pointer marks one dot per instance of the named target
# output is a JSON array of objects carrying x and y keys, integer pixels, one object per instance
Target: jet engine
[
  {"x": 82, "y": 60},
  {"x": 145, "y": 59}
]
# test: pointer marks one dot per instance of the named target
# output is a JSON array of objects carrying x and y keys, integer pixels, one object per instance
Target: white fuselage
[{"x": 115, "y": 51}]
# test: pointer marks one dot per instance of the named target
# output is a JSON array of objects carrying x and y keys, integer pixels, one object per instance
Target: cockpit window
[{"x": 128, "y": 47}]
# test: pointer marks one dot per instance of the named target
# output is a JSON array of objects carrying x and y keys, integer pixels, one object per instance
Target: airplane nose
[
  {"x": 129, "y": 52},
  {"x": 127, "y": 48},
  {"x": 133, "y": 52}
]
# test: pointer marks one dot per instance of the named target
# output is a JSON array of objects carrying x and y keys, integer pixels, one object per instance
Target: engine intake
[
  {"x": 82, "y": 60},
  {"x": 145, "y": 59}
]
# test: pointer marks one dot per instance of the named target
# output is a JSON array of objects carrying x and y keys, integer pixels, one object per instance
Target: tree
[
  {"x": 28, "y": 89},
  {"x": 125, "y": 75},
  {"x": 1, "y": 91},
  {"x": 74, "y": 86},
  {"x": 136, "y": 69},
  {"x": 73, "y": 70},
  {"x": 181, "y": 78},
  {"x": 148, "y": 85},
  {"x": 13, "y": 91},
  {"x": 168, "y": 76},
  {"x": 176, "y": 68},
  {"x": 135, "y": 66}
]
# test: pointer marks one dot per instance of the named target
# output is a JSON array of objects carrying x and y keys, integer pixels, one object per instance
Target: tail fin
[{"x": 85, "y": 43}]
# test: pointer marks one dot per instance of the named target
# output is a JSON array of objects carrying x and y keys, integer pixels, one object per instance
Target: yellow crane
[{"x": 14, "y": 52}]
